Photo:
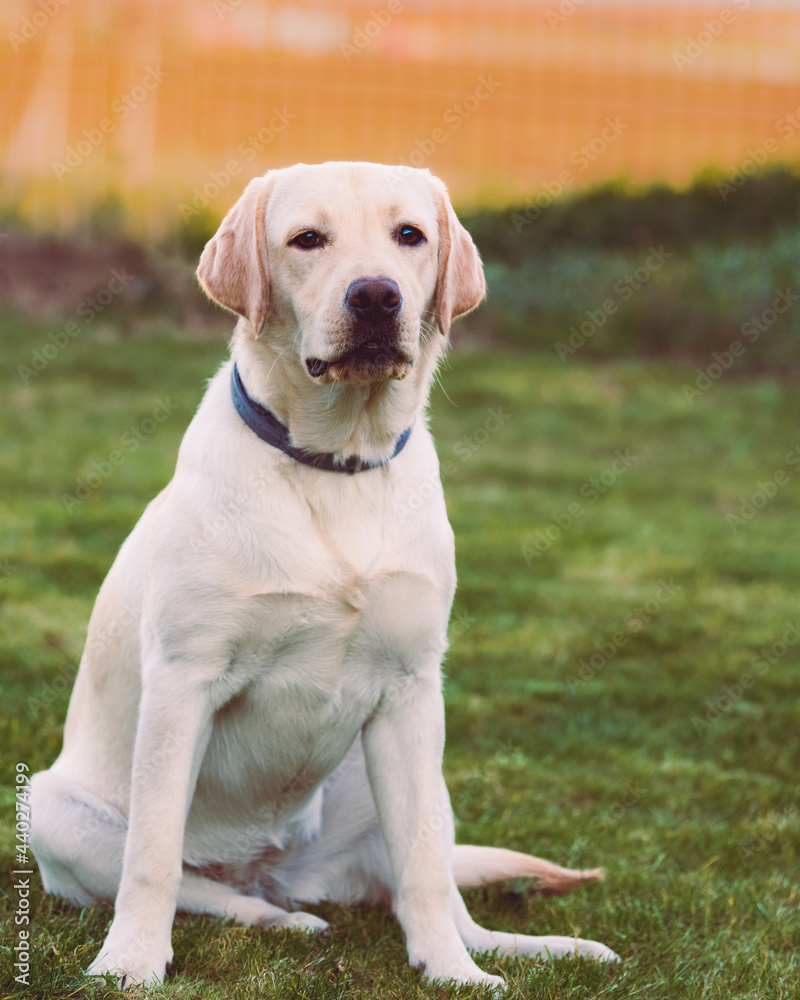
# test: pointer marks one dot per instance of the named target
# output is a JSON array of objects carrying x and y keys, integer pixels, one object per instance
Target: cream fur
[{"x": 258, "y": 715}]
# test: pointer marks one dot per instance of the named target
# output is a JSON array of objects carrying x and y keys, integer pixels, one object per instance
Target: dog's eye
[
  {"x": 307, "y": 240},
  {"x": 409, "y": 236}
]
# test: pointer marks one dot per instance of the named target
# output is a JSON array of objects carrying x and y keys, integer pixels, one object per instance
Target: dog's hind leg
[
  {"x": 79, "y": 841},
  {"x": 349, "y": 861},
  {"x": 198, "y": 894},
  {"x": 478, "y": 938}
]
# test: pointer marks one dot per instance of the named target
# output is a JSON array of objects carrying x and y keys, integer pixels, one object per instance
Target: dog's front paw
[
  {"x": 127, "y": 973},
  {"x": 137, "y": 961}
]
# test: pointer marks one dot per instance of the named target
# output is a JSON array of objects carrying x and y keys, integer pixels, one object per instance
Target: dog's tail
[{"x": 475, "y": 866}]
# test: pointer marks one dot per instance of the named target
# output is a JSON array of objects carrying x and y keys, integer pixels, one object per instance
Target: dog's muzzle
[
  {"x": 370, "y": 361},
  {"x": 373, "y": 352}
]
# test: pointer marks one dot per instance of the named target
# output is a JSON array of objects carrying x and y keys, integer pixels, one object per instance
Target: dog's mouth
[{"x": 368, "y": 362}]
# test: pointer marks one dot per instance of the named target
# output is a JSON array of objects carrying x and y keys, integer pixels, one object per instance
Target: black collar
[{"x": 266, "y": 425}]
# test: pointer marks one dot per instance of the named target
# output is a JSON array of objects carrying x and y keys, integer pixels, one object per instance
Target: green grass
[{"x": 697, "y": 824}]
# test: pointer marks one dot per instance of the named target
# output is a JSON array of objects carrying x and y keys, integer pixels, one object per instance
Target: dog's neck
[{"x": 341, "y": 418}]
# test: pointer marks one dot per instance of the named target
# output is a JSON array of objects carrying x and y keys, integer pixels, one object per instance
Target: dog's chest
[
  {"x": 309, "y": 674},
  {"x": 341, "y": 602}
]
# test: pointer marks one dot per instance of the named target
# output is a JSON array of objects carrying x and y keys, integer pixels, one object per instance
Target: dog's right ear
[{"x": 233, "y": 266}]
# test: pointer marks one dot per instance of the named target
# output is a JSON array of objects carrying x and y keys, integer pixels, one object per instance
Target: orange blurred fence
[{"x": 174, "y": 104}]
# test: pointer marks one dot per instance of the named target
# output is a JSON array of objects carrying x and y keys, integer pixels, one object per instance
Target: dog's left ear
[
  {"x": 461, "y": 285},
  {"x": 233, "y": 266}
]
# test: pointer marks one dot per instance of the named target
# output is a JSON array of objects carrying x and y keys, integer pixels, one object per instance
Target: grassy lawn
[{"x": 619, "y": 691}]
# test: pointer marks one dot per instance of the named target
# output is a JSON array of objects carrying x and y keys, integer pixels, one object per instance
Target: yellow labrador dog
[{"x": 258, "y": 715}]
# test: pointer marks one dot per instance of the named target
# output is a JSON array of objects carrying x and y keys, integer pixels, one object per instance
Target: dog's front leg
[
  {"x": 172, "y": 735},
  {"x": 403, "y": 746}
]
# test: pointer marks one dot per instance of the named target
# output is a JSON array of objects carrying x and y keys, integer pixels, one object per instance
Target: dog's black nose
[{"x": 373, "y": 299}]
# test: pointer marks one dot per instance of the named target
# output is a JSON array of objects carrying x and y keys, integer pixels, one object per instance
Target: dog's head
[{"x": 356, "y": 264}]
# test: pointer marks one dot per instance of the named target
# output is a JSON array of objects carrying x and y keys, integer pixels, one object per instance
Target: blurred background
[
  {"x": 573, "y": 135},
  {"x": 187, "y": 88}
]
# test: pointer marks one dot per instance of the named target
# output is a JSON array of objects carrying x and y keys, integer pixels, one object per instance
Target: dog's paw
[
  {"x": 464, "y": 972},
  {"x": 564, "y": 947},
  {"x": 134, "y": 962},
  {"x": 127, "y": 973},
  {"x": 302, "y": 922},
  {"x": 593, "y": 949},
  {"x": 495, "y": 983},
  {"x": 477, "y": 978}
]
